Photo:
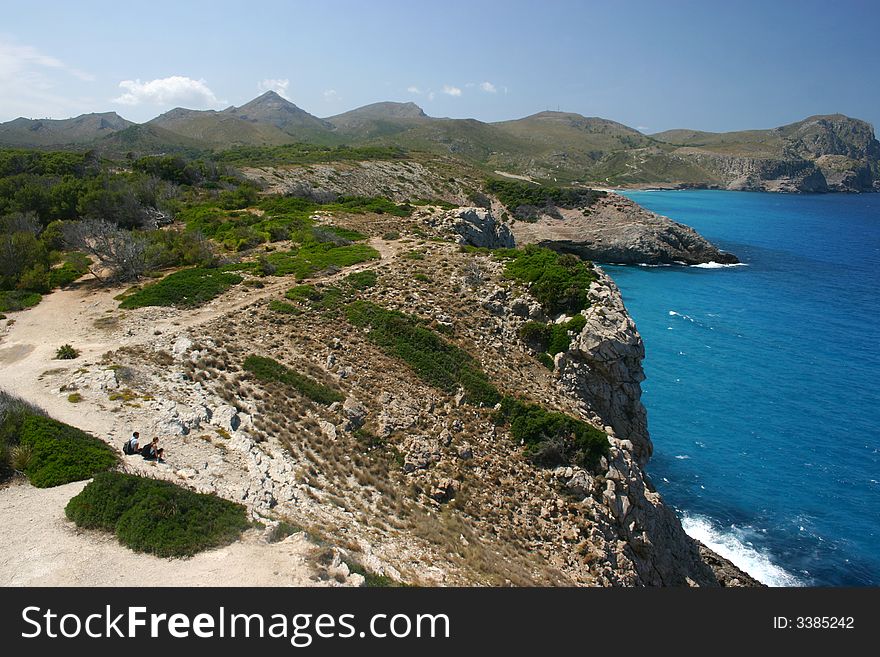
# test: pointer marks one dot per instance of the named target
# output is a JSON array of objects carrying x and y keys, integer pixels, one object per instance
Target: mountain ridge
[{"x": 820, "y": 153}]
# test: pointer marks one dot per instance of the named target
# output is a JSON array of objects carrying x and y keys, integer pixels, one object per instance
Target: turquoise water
[{"x": 763, "y": 381}]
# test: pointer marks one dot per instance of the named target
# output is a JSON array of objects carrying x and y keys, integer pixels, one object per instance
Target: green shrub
[
  {"x": 559, "y": 334},
  {"x": 66, "y": 352},
  {"x": 75, "y": 266},
  {"x": 316, "y": 256},
  {"x": 372, "y": 579},
  {"x": 525, "y": 199},
  {"x": 535, "y": 334},
  {"x": 435, "y": 360},
  {"x": 156, "y": 517},
  {"x": 362, "y": 280},
  {"x": 62, "y": 453},
  {"x": 345, "y": 233},
  {"x": 560, "y": 282},
  {"x": 74, "y": 398},
  {"x": 546, "y": 360},
  {"x": 187, "y": 288},
  {"x": 325, "y": 298},
  {"x": 18, "y": 300},
  {"x": 283, "y": 308},
  {"x": 267, "y": 369},
  {"x": 391, "y": 235},
  {"x": 281, "y": 531},
  {"x": 552, "y": 438},
  {"x": 421, "y": 277}
]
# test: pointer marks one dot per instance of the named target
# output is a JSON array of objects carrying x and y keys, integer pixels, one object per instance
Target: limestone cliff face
[
  {"x": 832, "y": 153},
  {"x": 602, "y": 370},
  {"x": 617, "y": 230}
]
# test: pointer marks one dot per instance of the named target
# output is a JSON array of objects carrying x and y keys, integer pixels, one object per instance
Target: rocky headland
[
  {"x": 617, "y": 230},
  {"x": 413, "y": 481}
]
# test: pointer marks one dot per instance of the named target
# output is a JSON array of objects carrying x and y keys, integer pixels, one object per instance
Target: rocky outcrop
[
  {"x": 616, "y": 230},
  {"x": 753, "y": 174},
  {"x": 831, "y": 153},
  {"x": 398, "y": 180},
  {"x": 475, "y": 227},
  {"x": 602, "y": 370},
  {"x": 603, "y": 367}
]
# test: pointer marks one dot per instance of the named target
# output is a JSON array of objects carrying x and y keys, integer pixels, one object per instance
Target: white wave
[
  {"x": 672, "y": 313},
  {"x": 732, "y": 544},
  {"x": 682, "y": 457},
  {"x": 718, "y": 265}
]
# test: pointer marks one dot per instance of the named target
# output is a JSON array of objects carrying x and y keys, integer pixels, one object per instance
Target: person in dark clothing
[{"x": 153, "y": 452}]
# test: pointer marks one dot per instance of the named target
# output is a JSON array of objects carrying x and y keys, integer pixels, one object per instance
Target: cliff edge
[{"x": 616, "y": 230}]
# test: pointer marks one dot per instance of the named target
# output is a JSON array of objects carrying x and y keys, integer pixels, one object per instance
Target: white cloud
[
  {"x": 331, "y": 96},
  {"x": 430, "y": 95},
  {"x": 34, "y": 84},
  {"x": 173, "y": 90},
  {"x": 414, "y": 90},
  {"x": 488, "y": 87},
  {"x": 451, "y": 91},
  {"x": 271, "y": 84}
]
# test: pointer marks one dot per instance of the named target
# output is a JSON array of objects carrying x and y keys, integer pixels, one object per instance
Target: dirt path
[{"x": 40, "y": 547}]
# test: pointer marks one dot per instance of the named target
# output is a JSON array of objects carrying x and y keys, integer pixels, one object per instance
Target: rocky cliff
[
  {"x": 410, "y": 480},
  {"x": 832, "y": 153},
  {"x": 617, "y": 230}
]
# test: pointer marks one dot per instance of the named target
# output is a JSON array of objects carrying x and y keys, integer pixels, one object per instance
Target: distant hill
[
  {"x": 58, "y": 132},
  {"x": 147, "y": 139},
  {"x": 820, "y": 153}
]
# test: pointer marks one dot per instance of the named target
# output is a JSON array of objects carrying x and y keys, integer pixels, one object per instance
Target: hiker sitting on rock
[
  {"x": 153, "y": 452},
  {"x": 131, "y": 445}
]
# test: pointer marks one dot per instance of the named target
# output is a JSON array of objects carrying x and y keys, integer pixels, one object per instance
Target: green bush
[
  {"x": 552, "y": 438},
  {"x": 328, "y": 298},
  {"x": 283, "y": 308},
  {"x": 267, "y": 369},
  {"x": 316, "y": 256},
  {"x": 156, "y": 517},
  {"x": 525, "y": 199},
  {"x": 187, "y": 288},
  {"x": 435, "y": 360},
  {"x": 18, "y": 300},
  {"x": 535, "y": 334},
  {"x": 546, "y": 360},
  {"x": 559, "y": 282},
  {"x": 75, "y": 266},
  {"x": 66, "y": 352},
  {"x": 61, "y": 453},
  {"x": 362, "y": 280}
]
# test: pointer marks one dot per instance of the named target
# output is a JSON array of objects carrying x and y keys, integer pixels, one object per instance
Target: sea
[{"x": 763, "y": 381}]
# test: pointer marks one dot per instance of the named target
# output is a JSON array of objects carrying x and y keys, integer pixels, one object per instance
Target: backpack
[{"x": 126, "y": 447}]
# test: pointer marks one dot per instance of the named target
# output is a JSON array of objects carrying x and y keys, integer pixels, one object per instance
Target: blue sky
[{"x": 653, "y": 65}]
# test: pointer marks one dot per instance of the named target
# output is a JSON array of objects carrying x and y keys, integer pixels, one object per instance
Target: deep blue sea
[{"x": 763, "y": 381}]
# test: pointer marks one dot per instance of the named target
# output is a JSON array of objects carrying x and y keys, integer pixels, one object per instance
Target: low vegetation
[
  {"x": 269, "y": 370},
  {"x": 307, "y": 154},
  {"x": 48, "y": 452},
  {"x": 188, "y": 288},
  {"x": 552, "y": 438},
  {"x": 527, "y": 201},
  {"x": 559, "y": 282},
  {"x": 66, "y": 352},
  {"x": 158, "y": 517},
  {"x": 436, "y": 361},
  {"x": 551, "y": 338},
  {"x": 11, "y": 300}
]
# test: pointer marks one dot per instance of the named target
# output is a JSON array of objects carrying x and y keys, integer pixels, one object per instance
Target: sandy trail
[{"x": 38, "y": 546}]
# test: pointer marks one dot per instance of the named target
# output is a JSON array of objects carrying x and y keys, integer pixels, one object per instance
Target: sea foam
[{"x": 732, "y": 543}]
